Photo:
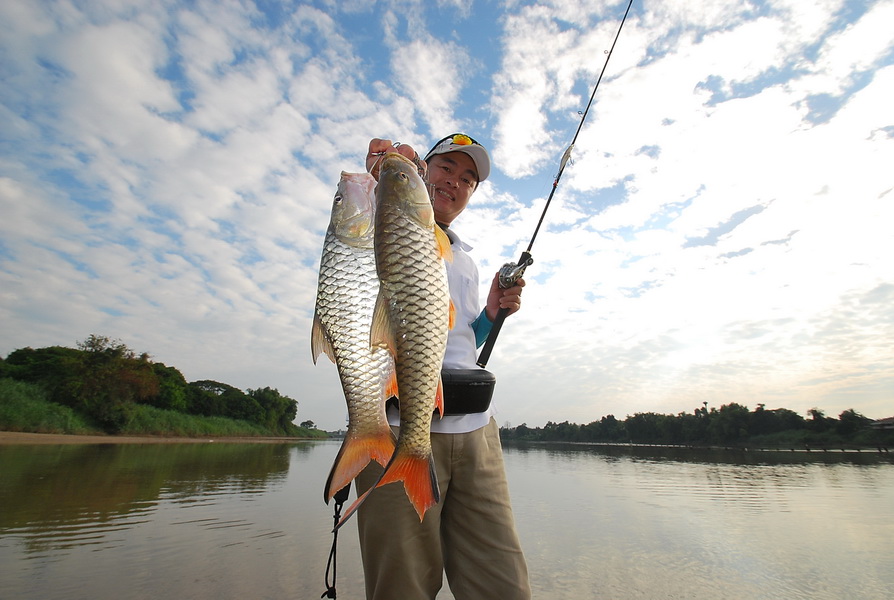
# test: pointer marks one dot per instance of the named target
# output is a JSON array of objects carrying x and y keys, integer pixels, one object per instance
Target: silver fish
[{"x": 346, "y": 296}]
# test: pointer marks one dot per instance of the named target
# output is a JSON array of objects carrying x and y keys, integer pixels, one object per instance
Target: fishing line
[
  {"x": 332, "y": 564},
  {"x": 511, "y": 272}
]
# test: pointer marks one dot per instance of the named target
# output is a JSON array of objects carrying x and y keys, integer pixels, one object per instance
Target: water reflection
[
  {"x": 710, "y": 455},
  {"x": 79, "y": 494},
  {"x": 626, "y": 522},
  {"x": 104, "y": 521},
  {"x": 246, "y": 520}
]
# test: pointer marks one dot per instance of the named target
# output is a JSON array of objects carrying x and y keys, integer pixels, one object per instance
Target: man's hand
[
  {"x": 509, "y": 298},
  {"x": 379, "y": 147}
]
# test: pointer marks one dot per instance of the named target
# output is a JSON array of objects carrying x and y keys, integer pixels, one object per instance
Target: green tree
[
  {"x": 173, "y": 391},
  {"x": 694, "y": 427},
  {"x": 612, "y": 430},
  {"x": 52, "y": 368},
  {"x": 102, "y": 378},
  {"x": 279, "y": 411},
  {"x": 818, "y": 421},
  {"x": 643, "y": 428},
  {"x": 729, "y": 424},
  {"x": 224, "y": 400},
  {"x": 110, "y": 379},
  {"x": 850, "y": 422}
]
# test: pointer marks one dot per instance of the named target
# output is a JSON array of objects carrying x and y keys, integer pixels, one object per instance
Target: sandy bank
[{"x": 15, "y": 437}]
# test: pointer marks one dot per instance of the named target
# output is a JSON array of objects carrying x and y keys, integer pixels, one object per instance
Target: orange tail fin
[
  {"x": 355, "y": 453},
  {"x": 420, "y": 480},
  {"x": 420, "y": 483}
]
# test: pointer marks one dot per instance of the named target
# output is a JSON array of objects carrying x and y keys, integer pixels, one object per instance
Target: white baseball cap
[{"x": 460, "y": 142}]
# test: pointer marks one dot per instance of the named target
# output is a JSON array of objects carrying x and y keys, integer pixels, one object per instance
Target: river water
[{"x": 222, "y": 520}]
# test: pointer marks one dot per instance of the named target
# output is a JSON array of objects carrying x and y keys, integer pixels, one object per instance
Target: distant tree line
[
  {"x": 731, "y": 424},
  {"x": 105, "y": 379}
]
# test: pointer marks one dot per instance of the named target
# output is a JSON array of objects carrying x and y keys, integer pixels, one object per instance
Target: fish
[
  {"x": 347, "y": 290},
  {"x": 412, "y": 317}
]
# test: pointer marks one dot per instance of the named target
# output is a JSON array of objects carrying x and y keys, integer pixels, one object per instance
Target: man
[{"x": 470, "y": 534}]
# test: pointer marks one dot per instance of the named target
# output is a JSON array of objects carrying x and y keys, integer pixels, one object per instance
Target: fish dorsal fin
[
  {"x": 444, "y": 249},
  {"x": 319, "y": 341},
  {"x": 381, "y": 334}
]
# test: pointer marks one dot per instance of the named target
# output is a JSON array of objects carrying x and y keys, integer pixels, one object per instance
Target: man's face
[{"x": 453, "y": 178}]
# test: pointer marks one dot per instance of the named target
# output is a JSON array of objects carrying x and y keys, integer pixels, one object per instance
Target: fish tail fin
[
  {"x": 419, "y": 478},
  {"x": 355, "y": 453}
]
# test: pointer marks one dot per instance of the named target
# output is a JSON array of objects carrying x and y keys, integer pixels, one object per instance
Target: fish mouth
[{"x": 391, "y": 156}]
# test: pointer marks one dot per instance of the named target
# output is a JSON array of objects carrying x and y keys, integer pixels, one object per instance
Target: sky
[{"x": 722, "y": 234}]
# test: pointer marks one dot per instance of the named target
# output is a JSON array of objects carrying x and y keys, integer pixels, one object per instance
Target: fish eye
[
  {"x": 403, "y": 176},
  {"x": 338, "y": 198}
]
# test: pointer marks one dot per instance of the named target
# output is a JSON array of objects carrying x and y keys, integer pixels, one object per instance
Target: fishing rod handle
[{"x": 492, "y": 337}]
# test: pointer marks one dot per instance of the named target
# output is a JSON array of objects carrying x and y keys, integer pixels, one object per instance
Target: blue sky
[{"x": 723, "y": 234}]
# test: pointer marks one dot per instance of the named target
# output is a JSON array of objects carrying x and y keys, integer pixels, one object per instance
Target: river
[{"x": 224, "y": 520}]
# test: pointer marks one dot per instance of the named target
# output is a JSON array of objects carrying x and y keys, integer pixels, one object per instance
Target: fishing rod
[{"x": 511, "y": 272}]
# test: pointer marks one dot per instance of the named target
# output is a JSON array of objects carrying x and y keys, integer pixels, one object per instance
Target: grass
[
  {"x": 24, "y": 407},
  {"x": 148, "y": 420}
]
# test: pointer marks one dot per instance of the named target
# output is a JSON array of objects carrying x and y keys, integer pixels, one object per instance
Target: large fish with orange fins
[
  {"x": 412, "y": 316},
  {"x": 346, "y": 296}
]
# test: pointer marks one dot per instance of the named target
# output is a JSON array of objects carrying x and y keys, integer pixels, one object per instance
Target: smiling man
[
  {"x": 470, "y": 534},
  {"x": 453, "y": 174}
]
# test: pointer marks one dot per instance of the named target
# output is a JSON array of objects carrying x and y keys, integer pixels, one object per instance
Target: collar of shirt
[{"x": 455, "y": 239}]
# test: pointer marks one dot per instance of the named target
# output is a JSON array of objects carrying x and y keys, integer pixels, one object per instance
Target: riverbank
[{"x": 8, "y": 438}]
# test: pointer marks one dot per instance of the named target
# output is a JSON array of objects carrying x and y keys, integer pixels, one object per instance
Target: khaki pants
[{"x": 470, "y": 533}]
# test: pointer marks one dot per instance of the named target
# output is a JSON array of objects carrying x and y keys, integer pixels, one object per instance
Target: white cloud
[{"x": 722, "y": 234}]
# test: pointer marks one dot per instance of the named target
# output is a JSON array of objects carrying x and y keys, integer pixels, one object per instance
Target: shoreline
[{"x": 9, "y": 438}]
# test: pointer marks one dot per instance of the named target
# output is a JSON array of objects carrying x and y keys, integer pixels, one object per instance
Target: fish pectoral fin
[
  {"x": 391, "y": 386},
  {"x": 439, "y": 397},
  {"x": 381, "y": 334},
  {"x": 444, "y": 249},
  {"x": 319, "y": 341}
]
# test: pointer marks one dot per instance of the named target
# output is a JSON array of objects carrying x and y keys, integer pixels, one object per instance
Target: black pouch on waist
[{"x": 467, "y": 391}]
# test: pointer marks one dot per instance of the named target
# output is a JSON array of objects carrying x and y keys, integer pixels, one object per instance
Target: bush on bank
[{"x": 103, "y": 385}]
